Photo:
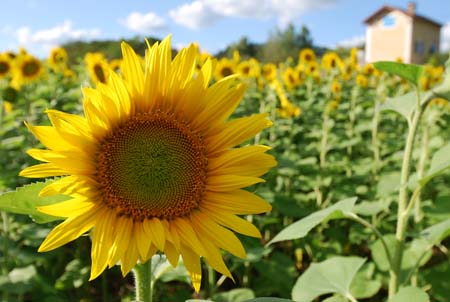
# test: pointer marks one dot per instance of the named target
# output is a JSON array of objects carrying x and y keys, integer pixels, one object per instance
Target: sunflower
[
  {"x": 58, "y": 59},
  {"x": 225, "y": 67},
  {"x": 290, "y": 78},
  {"x": 362, "y": 81},
  {"x": 5, "y": 65},
  {"x": 331, "y": 60},
  {"x": 307, "y": 56},
  {"x": 154, "y": 165},
  {"x": 269, "y": 72},
  {"x": 115, "y": 64},
  {"x": 97, "y": 67},
  {"x": 27, "y": 68},
  {"x": 245, "y": 69}
]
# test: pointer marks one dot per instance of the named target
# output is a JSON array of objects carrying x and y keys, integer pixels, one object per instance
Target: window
[
  {"x": 388, "y": 21},
  {"x": 433, "y": 48},
  {"x": 419, "y": 47}
]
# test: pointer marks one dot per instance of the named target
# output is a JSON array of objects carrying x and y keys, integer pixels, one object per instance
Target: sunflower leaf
[
  {"x": 302, "y": 227},
  {"x": 410, "y": 293},
  {"x": 26, "y": 199},
  {"x": 409, "y": 72},
  {"x": 334, "y": 275}
]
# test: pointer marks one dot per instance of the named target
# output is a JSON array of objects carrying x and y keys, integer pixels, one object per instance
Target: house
[{"x": 394, "y": 33}]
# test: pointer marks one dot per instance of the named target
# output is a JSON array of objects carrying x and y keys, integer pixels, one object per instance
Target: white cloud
[
  {"x": 445, "y": 37},
  {"x": 288, "y": 10},
  {"x": 144, "y": 23},
  {"x": 201, "y": 13},
  {"x": 194, "y": 15},
  {"x": 354, "y": 41},
  {"x": 41, "y": 41}
]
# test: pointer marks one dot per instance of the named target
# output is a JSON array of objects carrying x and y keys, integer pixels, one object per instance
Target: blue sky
[{"x": 39, "y": 25}]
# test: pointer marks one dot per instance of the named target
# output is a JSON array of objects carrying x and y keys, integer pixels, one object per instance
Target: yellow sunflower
[
  {"x": 115, "y": 64},
  {"x": 154, "y": 164},
  {"x": 97, "y": 66},
  {"x": 58, "y": 59},
  {"x": 307, "y": 56},
  {"x": 291, "y": 78},
  {"x": 27, "y": 68},
  {"x": 5, "y": 65},
  {"x": 331, "y": 60},
  {"x": 269, "y": 72},
  {"x": 362, "y": 81},
  {"x": 225, "y": 67}
]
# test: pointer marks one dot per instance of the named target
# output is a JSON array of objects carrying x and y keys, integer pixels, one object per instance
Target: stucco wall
[
  {"x": 427, "y": 34},
  {"x": 388, "y": 42}
]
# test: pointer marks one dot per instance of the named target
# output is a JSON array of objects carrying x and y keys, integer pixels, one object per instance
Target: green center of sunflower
[
  {"x": 30, "y": 68},
  {"x": 153, "y": 165}
]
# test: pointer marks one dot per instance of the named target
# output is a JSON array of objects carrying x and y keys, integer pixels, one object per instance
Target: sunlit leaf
[
  {"x": 439, "y": 164},
  {"x": 302, "y": 227},
  {"x": 26, "y": 199},
  {"x": 410, "y": 293},
  {"x": 409, "y": 72},
  {"x": 334, "y": 275}
]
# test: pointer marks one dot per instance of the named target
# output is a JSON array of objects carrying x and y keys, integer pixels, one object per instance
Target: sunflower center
[
  {"x": 4, "y": 67},
  {"x": 226, "y": 71},
  {"x": 30, "y": 68},
  {"x": 153, "y": 165},
  {"x": 98, "y": 70}
]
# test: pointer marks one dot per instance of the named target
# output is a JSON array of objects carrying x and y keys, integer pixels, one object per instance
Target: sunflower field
[{"x": 184, "y": 177}]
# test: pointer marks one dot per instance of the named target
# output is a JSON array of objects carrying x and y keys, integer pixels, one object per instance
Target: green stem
[
  {"x": 375, "y": 124},
  {"x": 421, "y": 165},
  {"x": 143, "y": 281},
  {"x": 5, "y": 271},
  {"x": 324, "y": 141},
  {"x": 402, "y": 204},
  {"x": 375, "y": 231}
]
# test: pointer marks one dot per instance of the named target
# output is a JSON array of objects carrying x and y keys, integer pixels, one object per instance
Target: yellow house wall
[
  {"x": 388, "y": 43},
  {"x": 426, "y": 33}
]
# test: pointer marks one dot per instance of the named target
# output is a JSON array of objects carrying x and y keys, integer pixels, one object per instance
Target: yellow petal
[
  {"x": 155, "y": 231},
  {"x": 236, "y": 132},
  {"x": 49, "y": 137},
  {"x": 236, "y": 202},
  {"x": 70, "y": 229},
  {"x": 218, "y": 235},
  {"x": 132, "y": 69},
  {"x": 121, "y": 239},
  {"x": 142, "y": 240},
  {"x": 130, "y": 257},
  {"x": 172, "y": 254},
  {"x": 42, "y": 171},
  {"x": 223, "y": 183},
  {"x": 234, "y": 223},
  {"x": 192, "y": 262},
  {"x": 101, "y": 243},
  {"x": 68, "y": 208},
  {"x": 188, "y": 235}
]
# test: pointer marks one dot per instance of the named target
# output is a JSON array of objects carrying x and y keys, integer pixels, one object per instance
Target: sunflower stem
[{"x": 143, "y": 281}]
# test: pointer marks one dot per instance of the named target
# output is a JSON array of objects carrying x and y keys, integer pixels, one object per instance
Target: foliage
[{"x": 332, "y": 234}]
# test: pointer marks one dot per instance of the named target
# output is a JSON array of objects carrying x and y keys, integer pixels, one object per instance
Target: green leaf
[
  {"x": 379, "y": 254},
  {"x": 234, "y": 295},
  {"x": 436, "y": 233},
  {"x": 409, "y": 72},
  {"x": 335, "y": 299},
  {"x": 410, "y": 293},
  {"x": 404, "y": 104},
  {"x": 268, "y": 299},
  {"x": 26, "y": 199},
  {"x": 334, "y": 275},
  {"x": 363, "y": 285},
  {"x": 302, "y": 227},
  {"x": 443, "y": 90},
  {"x": 439, "y": 163}
]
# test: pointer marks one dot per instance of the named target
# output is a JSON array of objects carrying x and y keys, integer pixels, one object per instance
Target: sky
[{"x": 39, "y": 25}]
